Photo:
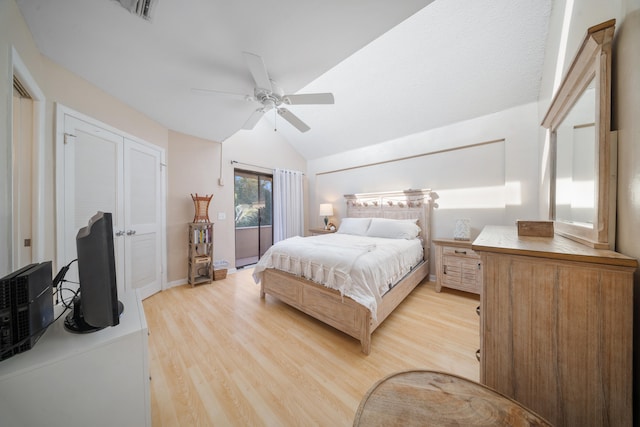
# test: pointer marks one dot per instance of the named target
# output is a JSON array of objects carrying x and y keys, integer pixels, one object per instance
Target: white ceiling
[{"x": 395, "y": 68}]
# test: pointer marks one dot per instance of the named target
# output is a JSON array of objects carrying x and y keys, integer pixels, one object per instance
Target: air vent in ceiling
[
  {"x": 20, "y": 90},
  {"x": 141, "y": 8}
]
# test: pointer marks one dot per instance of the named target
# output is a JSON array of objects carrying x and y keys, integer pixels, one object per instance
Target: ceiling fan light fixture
[{"x": 269, "y": 104}]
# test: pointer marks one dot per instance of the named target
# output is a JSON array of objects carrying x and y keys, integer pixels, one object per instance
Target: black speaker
[
  {"x": 33, "y": 305},
  {"x": 26, "y": 308},
  {"x": 7, "y": 284}
]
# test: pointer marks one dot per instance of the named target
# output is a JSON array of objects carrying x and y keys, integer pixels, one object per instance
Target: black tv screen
[{"x": 96, "y": 306}]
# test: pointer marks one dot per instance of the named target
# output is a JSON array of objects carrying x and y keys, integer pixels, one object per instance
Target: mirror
[
  {"x": 575, "y": 171},
  {"x": 582, "y": 186}
]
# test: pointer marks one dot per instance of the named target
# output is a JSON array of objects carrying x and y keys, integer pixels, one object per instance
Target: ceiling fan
[{"x": 271, "y": 96}]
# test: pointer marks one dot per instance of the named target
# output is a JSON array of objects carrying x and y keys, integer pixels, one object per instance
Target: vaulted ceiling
[{"x": 395, "y": 68}]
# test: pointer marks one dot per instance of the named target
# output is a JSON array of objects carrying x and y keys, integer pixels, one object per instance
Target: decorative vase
[{"x": 462, "y": 229}]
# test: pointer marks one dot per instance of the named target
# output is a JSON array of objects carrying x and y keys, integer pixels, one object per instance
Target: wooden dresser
[
  {"x": 556, "y": 326},
  {"x": 457, "y": 266}
]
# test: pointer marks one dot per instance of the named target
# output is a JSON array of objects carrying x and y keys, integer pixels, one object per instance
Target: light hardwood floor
[{"x": 220, "y": 355}]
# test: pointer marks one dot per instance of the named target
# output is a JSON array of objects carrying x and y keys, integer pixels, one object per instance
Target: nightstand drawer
[{"x": 459, "y": 252}]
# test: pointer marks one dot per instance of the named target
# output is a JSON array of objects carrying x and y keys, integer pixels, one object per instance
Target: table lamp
[{"x": 326, "y": 210}]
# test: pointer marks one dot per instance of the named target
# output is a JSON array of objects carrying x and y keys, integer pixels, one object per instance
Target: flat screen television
[{"x": 96, "y": 305}]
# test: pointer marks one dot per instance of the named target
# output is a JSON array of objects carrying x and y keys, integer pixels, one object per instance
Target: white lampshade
[{"x": 326, "y": 209}]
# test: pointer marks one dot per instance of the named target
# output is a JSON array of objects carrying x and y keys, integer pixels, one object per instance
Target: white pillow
[
  {"x": 393, "y": 228},
  {"x": 355, "y": 226}
]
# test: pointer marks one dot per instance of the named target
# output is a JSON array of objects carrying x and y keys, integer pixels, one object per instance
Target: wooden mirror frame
[{"x": 593, "y": 61}]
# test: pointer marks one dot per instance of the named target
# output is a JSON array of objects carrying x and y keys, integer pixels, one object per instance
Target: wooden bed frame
[{"x": 341, "y": 312}]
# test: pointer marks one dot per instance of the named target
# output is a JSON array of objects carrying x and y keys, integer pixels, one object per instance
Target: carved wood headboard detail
[{"x": 404, "y": 204}]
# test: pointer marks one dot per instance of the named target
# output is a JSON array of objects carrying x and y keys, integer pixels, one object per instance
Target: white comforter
[{"x": 362, "y": 268}]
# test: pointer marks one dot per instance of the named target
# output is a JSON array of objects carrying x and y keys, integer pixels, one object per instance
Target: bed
[{"x": 330, "y": 305}]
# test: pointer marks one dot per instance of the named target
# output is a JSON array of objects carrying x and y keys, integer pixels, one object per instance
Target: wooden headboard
[{"x": 405, "y": 204}]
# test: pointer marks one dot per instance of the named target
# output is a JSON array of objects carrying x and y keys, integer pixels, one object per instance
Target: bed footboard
[
  {"x": 328, "y": 306},
  {"x": 324, "y": 304}
]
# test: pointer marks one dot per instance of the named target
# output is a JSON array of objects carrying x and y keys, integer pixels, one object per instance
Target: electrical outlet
[{"x": 222, "y": 216}]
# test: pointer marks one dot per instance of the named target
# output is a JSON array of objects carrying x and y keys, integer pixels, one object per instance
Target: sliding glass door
[{"x": 253, "y": 215}]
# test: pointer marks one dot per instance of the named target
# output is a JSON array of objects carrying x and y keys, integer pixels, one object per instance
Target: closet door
[
  {"x": 105, "y": 171},
  {"x": 142, "y": 218},
  {"x": 93, "y": 181}
]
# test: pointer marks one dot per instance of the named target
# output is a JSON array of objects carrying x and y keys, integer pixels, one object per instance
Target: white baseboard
[
  {"x": 178, "y": 282},
  {"x": 184, "y": 281}
]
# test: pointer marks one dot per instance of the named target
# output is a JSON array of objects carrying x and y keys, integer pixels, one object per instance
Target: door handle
[
  {"x": 131, "y": 232},
  {"x": 119, "y": 233}
]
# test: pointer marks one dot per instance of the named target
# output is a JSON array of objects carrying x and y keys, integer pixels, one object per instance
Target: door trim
[
  {"x": 60, "y": 112},
  {"x": 21, "y": 71}
]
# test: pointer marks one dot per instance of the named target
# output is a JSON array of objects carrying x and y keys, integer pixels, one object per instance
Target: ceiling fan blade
[
  {"x": 293, "y": 119},
  {"x": 258, "y": 70},
  {"x": 253, "y": 119},
  {"x": 309, "y": 98},
  {"x": 211, "y": 92}
]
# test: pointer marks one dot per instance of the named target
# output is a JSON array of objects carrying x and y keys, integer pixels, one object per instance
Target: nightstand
[
  {"x": 316, "y": 231},
  {"x": 457, "y": 266}
]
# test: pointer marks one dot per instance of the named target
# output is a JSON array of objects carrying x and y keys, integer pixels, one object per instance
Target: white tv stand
[{"x": 96, "y": 379}]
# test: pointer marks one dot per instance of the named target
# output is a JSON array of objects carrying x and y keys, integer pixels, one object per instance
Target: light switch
[{"x": 222, "y": 215}]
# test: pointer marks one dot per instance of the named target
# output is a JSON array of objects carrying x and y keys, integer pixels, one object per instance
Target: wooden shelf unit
[{"x": 200, "y": 253}]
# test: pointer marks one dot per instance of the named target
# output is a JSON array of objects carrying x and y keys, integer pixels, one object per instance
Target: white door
[
  {"x": 93, "y": 181},
  {"x": 105, "y": 171},
  {"x": 142, "y": 170}
]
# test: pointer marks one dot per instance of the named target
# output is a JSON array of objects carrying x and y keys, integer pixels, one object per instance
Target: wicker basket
[
  {"x": 219, "y": 274},
  {"x": 201, "y": 204}
]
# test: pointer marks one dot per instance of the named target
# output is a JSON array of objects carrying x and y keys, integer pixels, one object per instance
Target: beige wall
[
  {"x": 62, "y": 86},
  {"x": 192, "y": 168},
  {"x": 195, "y": 165}
]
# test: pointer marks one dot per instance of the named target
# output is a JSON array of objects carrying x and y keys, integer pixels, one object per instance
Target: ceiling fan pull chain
[{"x": 275, "y": 117}]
